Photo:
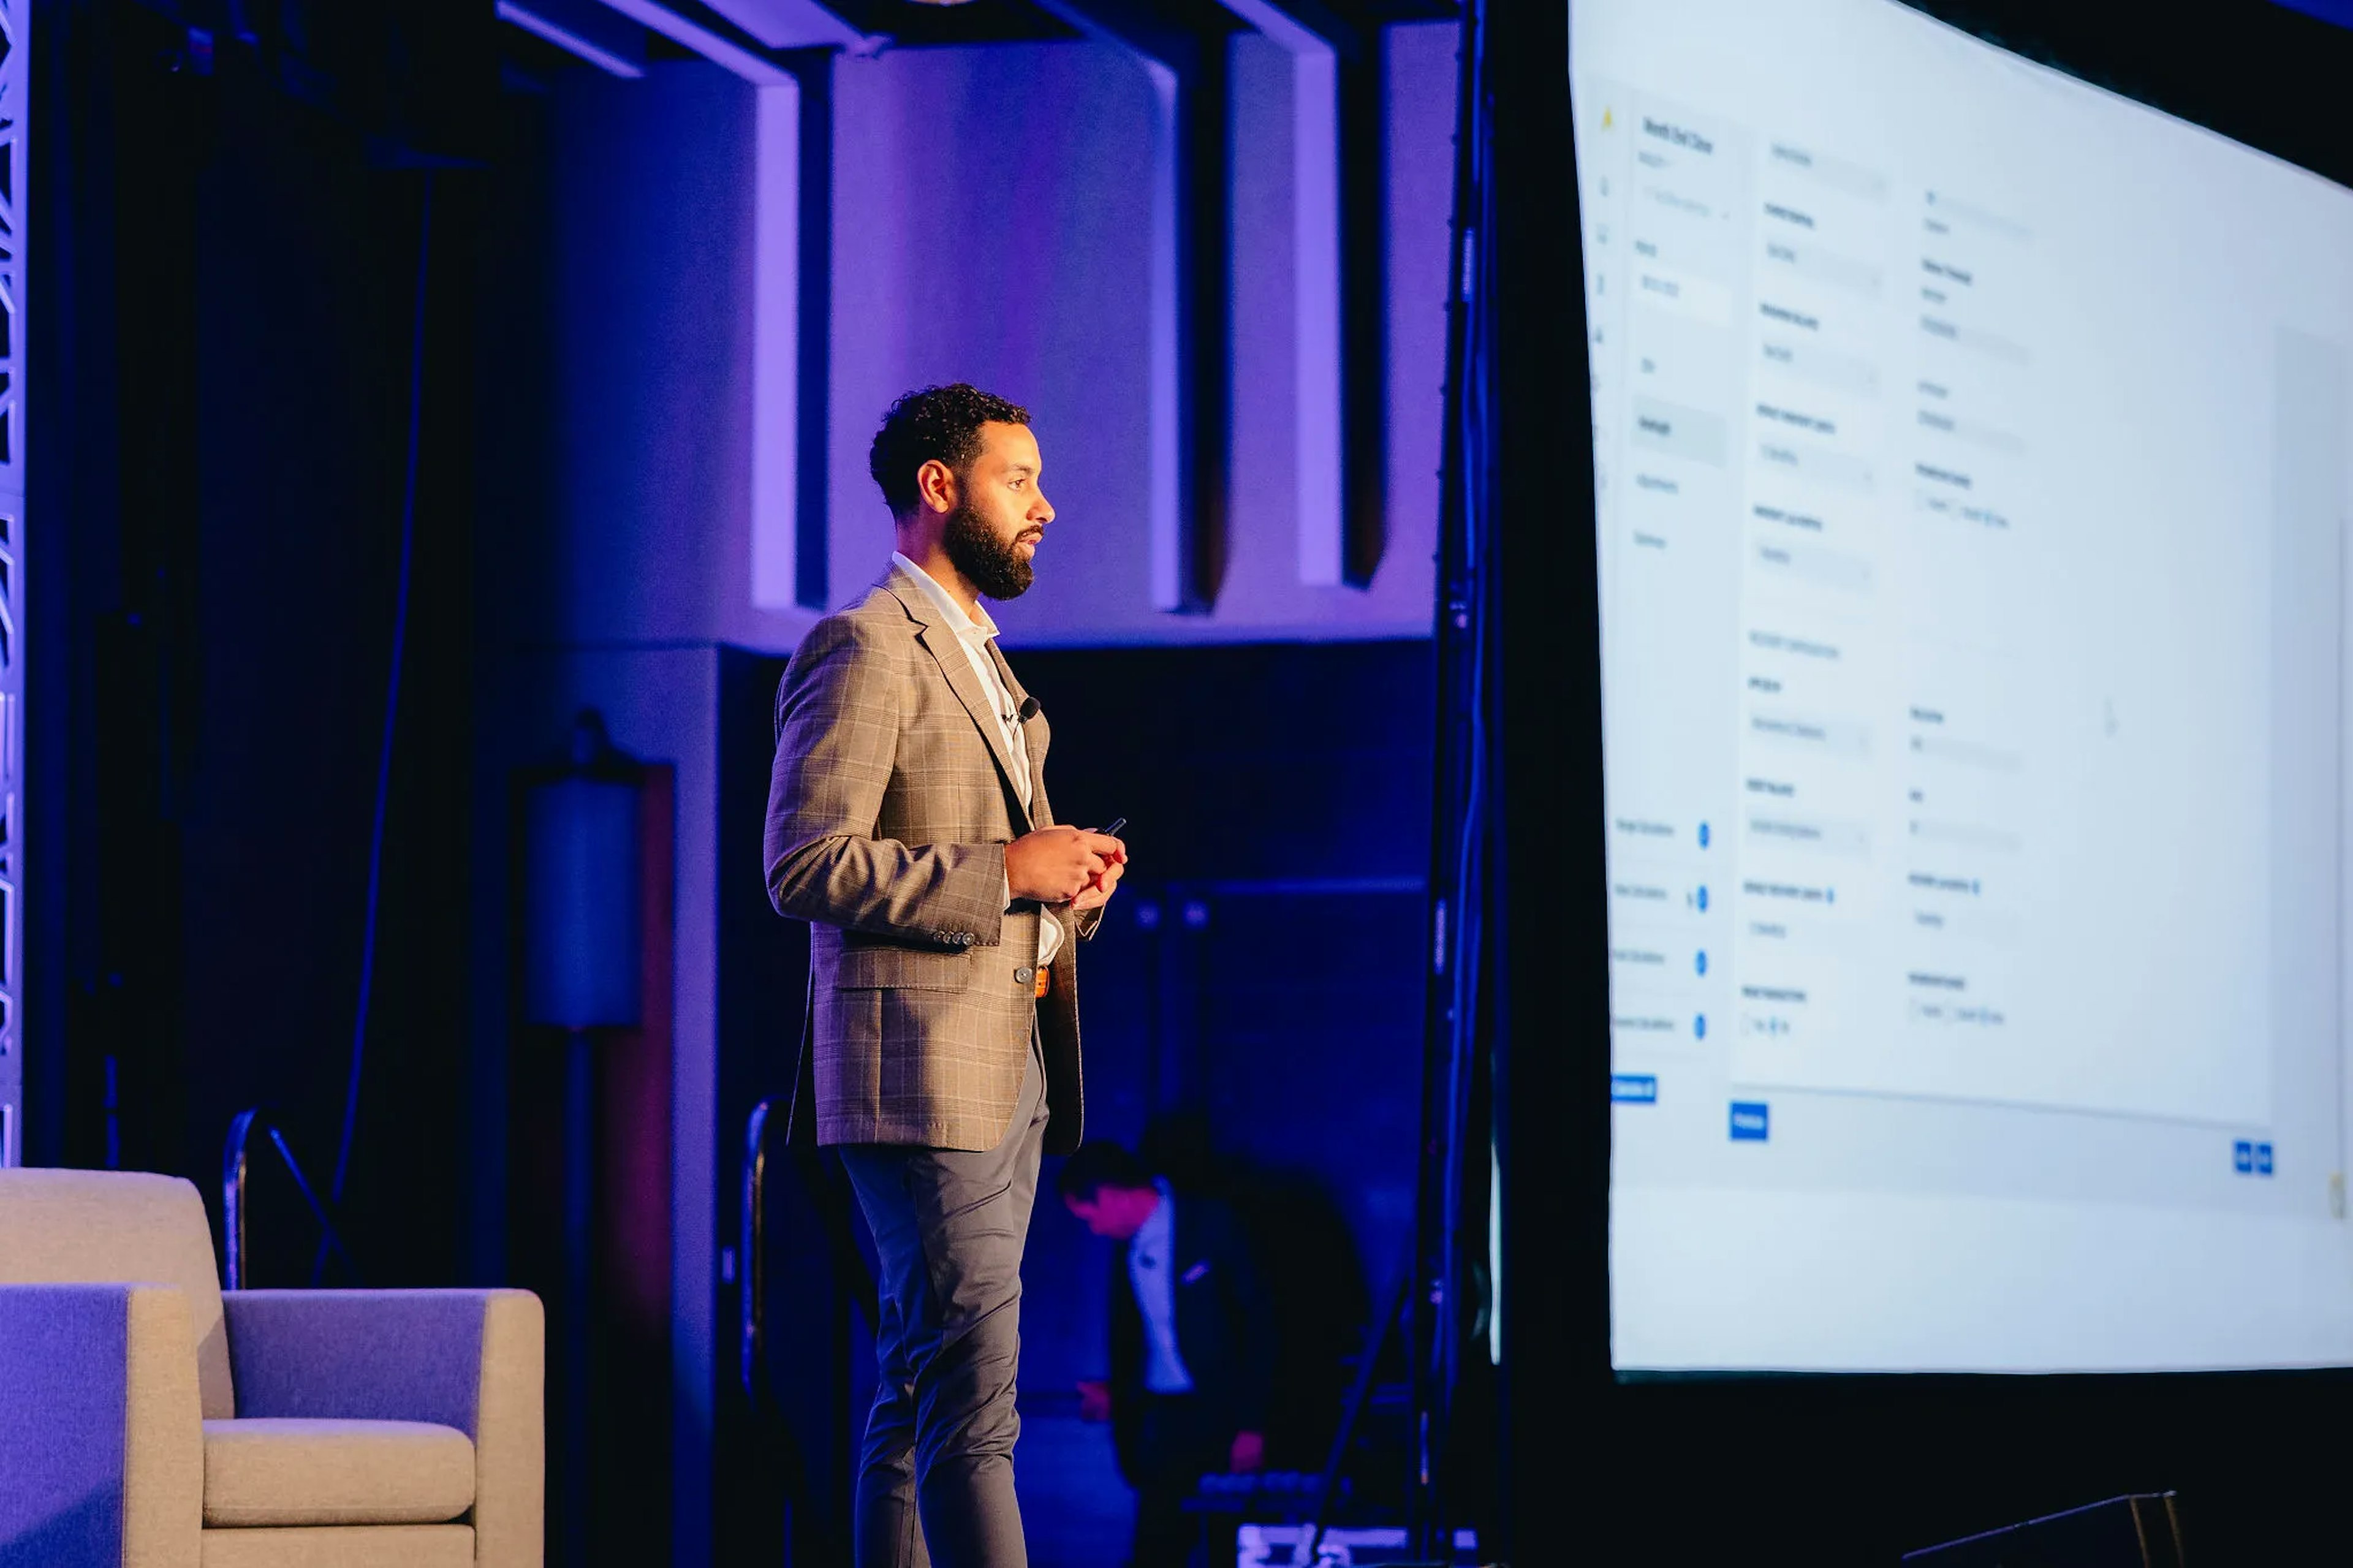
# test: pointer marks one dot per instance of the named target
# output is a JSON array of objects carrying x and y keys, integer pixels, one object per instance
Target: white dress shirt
[
  {"x": 1152, "y": 1269},
  {"x": 974, "y": 637}
]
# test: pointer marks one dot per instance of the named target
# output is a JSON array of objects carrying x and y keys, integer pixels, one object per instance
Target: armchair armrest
[
  {"x": 102, "y": 1459},
  {"x": 474, "y": 1360}
]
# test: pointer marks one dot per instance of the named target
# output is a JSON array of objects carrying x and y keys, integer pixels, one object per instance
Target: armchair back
[{"x": 99, "y": 1227}]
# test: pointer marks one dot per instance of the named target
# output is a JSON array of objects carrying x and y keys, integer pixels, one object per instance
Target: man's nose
[{"x": 1043, "y": 511}]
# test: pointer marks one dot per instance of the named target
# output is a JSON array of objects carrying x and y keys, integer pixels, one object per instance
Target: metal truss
[{"x": 16, "y": 74}]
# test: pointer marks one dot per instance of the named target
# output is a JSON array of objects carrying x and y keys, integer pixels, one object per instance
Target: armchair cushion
[{"x": 291, "y": 1471}]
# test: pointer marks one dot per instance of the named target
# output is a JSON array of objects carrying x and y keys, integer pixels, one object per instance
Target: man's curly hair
[{"x": 941, "y": 422}]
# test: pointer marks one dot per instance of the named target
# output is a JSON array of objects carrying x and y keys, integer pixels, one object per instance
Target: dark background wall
[{"x": 222, "y": 447}]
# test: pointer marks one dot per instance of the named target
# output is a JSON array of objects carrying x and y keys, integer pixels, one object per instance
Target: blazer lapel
[
  {"x": 1035, "y": 733},
  {"x": 948, "y": 652}
]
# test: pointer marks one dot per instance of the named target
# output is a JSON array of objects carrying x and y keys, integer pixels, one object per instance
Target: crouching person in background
[{"x": 1192, "y": 1346}]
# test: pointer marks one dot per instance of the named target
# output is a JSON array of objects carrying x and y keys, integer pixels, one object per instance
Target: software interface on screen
[{"x": 1971, "y": 451}]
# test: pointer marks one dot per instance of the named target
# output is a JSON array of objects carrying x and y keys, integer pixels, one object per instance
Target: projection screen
[{"x": 1970, "y": 451}]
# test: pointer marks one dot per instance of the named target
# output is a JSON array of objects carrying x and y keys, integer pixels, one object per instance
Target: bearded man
[{"x": 908, "y": 824}]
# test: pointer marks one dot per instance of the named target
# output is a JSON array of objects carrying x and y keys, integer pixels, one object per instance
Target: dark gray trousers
[{"x": 948, "y": 1229}]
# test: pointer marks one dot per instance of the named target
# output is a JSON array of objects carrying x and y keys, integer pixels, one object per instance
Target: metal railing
[
  {"x": 852, "y": 1274},
  {"x": 236, "y": 1168},
  {"x": 751, "y": 1262}
]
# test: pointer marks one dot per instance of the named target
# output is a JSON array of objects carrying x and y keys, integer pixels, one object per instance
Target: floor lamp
[{"x": 582, "y": 957}]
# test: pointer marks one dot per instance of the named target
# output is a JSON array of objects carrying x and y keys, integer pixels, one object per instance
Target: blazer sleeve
[{"x": 838, "y": 719}]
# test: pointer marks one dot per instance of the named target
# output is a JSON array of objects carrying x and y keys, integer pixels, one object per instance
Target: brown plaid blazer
[{"x": 889, "y": 805}]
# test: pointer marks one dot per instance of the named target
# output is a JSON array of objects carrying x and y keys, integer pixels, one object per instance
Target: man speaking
[{"x": 908, "y": 824}]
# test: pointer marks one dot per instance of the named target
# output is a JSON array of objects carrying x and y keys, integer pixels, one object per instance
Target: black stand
[
  {"x": 579, "y": 1263},
  {"x": 2142, "y": 1530},
  {"x": 1336, "y": 1464}
]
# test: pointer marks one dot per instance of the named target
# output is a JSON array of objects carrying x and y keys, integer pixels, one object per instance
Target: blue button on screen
[
  {"x": 2262, "y": 1159},
  {"x": 2242, "y": 1156},
  {"x": 1634, "y": 1089},
  {"x": 1751, "y": 1120}
]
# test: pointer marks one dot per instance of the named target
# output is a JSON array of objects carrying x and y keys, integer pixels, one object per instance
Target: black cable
[
  {"x": 391, "y": 719},
  {"x": 1470, "y": 880},
  {"x": 1465, "y": 632}
]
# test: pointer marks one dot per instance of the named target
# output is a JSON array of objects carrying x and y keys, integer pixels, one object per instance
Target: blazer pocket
[{"x": 901, "y": 969}]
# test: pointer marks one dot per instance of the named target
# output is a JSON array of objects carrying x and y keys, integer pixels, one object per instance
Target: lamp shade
[{"x": 581, "y": 918}]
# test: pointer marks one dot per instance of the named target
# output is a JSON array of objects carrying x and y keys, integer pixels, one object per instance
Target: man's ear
[{"x": 935, "y": 487}]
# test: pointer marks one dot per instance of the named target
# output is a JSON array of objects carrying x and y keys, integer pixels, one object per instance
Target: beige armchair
[{"x": 153, "y": 1422}]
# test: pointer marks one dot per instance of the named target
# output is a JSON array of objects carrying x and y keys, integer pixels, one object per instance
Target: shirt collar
[{"x": 962, "y": 624}]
